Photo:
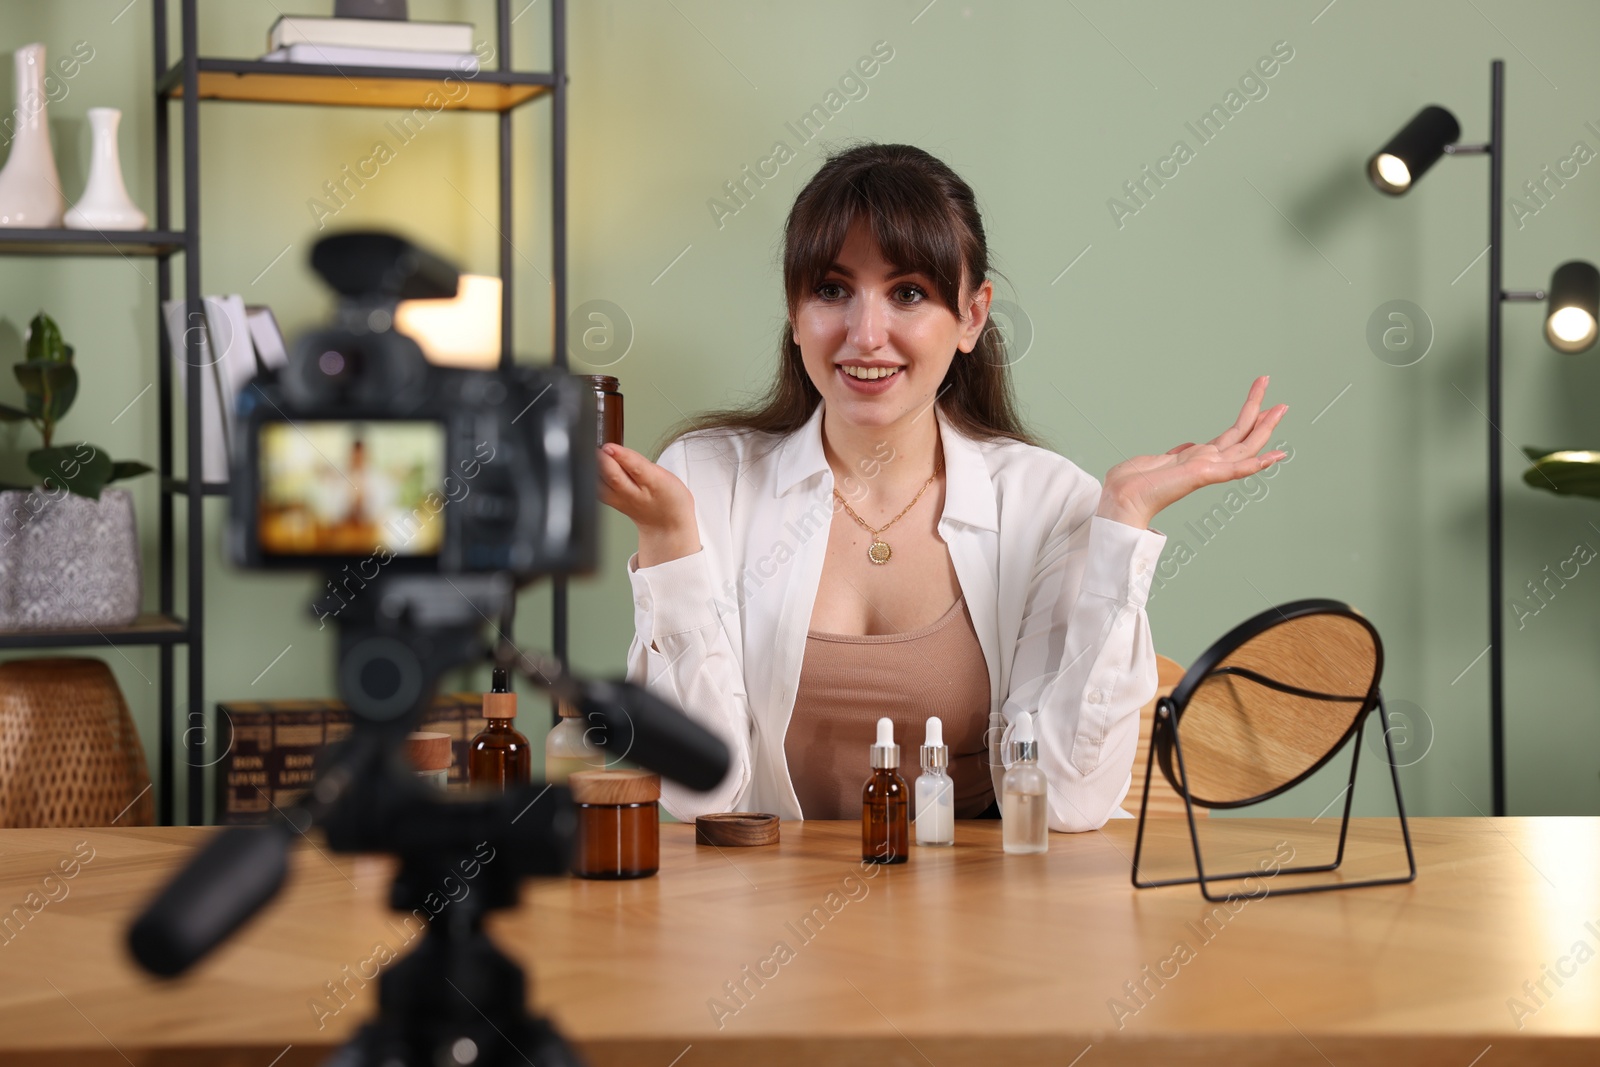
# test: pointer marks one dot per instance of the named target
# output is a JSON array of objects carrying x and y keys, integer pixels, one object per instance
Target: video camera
[{"x": 360, "y": 455}]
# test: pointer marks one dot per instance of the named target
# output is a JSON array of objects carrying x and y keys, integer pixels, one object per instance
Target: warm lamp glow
[
  {"x": 1574, "y": 305},
  {"x": 461, "y": 332},
  {"x": 1393, "y": 170},
  {"x": 1571, "y": 329}
]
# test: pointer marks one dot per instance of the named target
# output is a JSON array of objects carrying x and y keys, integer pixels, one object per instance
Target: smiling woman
[{"x": 972, "y": 575}]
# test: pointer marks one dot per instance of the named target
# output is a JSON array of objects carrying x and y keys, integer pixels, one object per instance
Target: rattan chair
[
  {"x": 1164, "y": 801},
  {"x": 69, "y": 753}
]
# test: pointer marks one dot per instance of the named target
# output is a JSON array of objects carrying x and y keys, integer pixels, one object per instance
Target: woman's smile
[{"x": 870, "y": 379}]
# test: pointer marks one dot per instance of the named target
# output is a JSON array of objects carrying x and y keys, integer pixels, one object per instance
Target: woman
[{"x": 880, "y": 535}]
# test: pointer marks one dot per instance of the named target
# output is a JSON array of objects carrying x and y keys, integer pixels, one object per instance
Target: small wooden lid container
[
  {"x": 736, "y": 829},
  {"x": 429, "y": 751},
  {"x": 615, "y": 786}
]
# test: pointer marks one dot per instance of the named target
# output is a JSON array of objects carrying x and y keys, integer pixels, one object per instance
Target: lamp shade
[
  {"x": 463, "y": 331},
  {"x": 1419, "y": 144},
  {"x": 1574, "y": 307}
]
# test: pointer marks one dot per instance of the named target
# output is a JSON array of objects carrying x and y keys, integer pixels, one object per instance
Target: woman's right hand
[{"x": 657, "y": 501}]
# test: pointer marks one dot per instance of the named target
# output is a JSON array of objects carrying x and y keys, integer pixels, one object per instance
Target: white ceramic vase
[
  {"x": 105, "y": 204},
  {"x": 30, "y": 188}
]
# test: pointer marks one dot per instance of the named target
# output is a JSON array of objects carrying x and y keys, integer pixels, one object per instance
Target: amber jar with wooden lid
[{"x": 619, "y": 823}]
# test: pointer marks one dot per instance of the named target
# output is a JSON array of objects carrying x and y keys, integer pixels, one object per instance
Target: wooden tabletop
[{"x": 961, "y": 956}]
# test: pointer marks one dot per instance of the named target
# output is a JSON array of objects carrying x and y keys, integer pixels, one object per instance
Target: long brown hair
[{"x": 924, "y": 218}]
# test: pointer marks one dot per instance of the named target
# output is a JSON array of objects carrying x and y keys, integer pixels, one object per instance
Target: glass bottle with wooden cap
[
  {"x": 499, "y": 757},
  {"x": 619, "y": 823},
  {"x": 567, "y": 747}
]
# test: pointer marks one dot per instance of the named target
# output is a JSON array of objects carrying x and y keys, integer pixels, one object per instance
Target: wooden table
[{"x": 961, "y": 956}]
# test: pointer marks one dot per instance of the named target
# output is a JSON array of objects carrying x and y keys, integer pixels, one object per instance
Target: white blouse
[{"x": 1056, "y": 594}]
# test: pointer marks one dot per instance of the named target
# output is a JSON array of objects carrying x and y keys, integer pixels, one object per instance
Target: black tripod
[{"x": 455, "y": 999}]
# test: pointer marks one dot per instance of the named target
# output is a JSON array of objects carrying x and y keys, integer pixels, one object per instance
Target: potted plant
[{"x": 69, "y": 548}]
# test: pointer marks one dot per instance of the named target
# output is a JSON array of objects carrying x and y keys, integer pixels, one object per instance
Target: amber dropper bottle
[
  {"x": 885, "y": 804},
  {"x": 499, "y": 758}
]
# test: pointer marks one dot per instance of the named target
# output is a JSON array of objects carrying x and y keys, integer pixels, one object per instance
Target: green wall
[{"x": 1265, "y": 253}]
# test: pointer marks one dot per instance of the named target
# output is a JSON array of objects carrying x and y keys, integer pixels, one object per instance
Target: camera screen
[{"x": 351, "y": 488}]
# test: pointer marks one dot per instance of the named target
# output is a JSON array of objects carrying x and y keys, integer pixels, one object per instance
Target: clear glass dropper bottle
[
  {"x": 935, "y": 792},
  {"x": 1023, "y": 825}
]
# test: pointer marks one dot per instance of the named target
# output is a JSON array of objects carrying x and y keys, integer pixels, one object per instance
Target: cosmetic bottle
[
  {"x": 1023, "y": 826},
  {"x": 885, "y": 818},
  {"x": 935, "y": 792},
  {"x": 499, "y": 757},
  {"x": 567, "y": 748}
]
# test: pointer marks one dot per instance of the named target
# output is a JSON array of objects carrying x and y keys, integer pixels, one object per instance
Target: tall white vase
[
  {"x": 105, "y": 204},
  {"x": 30, "y": 188}
]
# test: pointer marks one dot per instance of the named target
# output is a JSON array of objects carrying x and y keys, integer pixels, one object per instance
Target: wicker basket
[{"x": 69, "y": 753}]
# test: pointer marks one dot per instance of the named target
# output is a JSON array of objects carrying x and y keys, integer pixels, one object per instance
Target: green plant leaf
[
  {"x": 10, "y": 414},
  {"x": 82, "y": 468},
  {"x": 44, "y": 341},
  {"x": 1536, "y": 454},
  {"x": 128, "y": 468},
  {"x": 51, "y": 387},
  {"x": 1567, "y": 472}
]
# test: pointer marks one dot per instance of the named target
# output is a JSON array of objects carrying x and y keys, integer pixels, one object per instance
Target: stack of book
[
  {"x": 336, "y": 42},
  {"x": 236, "y": 342},
  {"x": 273, "y": 747}
]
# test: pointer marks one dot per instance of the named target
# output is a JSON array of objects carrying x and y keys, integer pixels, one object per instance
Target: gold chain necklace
[{"x": 879, "y": 551}]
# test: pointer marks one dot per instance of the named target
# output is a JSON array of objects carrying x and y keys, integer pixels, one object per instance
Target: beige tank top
[{"x": 848, "y": 682}]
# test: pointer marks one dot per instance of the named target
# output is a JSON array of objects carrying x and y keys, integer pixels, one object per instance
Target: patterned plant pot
[{"x": 68, "y": 562}]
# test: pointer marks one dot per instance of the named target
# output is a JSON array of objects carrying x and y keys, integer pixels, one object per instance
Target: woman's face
[{"x": 875, "y": 340}]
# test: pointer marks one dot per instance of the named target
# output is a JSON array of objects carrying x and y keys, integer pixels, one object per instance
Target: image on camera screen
[{"x": 346, "y": 488}]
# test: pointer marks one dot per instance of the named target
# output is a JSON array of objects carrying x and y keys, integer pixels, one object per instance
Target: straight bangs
[{"x": 898, "y": 204}]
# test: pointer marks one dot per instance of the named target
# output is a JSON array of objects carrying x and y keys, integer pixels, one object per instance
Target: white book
[
  {"x": 228, "y": 329},
  {"x": 328, "y": 55},
  {"x": 371, "y": 33},
  {"x": 215, "y": 447},
  {"x": 267, "y": 337}
]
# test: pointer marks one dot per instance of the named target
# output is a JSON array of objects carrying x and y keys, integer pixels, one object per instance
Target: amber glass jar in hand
[{"x": 499, "y": 758}]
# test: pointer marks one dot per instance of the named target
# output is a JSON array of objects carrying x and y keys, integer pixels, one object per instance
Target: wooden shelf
[
  {"x": 150, "y": 628},
  {"x": 62, "y": 242},
  {"x": 258, "y": 81}
]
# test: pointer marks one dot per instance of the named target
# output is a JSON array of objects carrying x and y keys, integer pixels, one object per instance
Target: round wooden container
[
  {"x": 431, "y": 755},
  {"x": 619, "y": 823}
]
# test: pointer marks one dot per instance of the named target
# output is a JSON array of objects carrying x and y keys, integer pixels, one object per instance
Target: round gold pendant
[{"x": 879, "y": 552}]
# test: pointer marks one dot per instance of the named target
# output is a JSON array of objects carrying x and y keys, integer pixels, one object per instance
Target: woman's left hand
[{"x": 1135, "y": 490}]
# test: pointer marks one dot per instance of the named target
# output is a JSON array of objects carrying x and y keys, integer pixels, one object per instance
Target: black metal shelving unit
[{"x": 188, "y": 81}]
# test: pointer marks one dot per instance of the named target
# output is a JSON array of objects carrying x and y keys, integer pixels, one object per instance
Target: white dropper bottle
[
  {"x": 936, "y": 793},
  {"x": 1023, "y": 825}
]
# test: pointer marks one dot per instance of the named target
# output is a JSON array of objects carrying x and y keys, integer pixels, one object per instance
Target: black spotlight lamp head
[
  {"x": 1574, "y": 308},
  {"x": 1408, "y": 155}
]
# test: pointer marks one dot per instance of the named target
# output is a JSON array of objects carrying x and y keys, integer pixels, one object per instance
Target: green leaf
[
  {"x": 44, "y": 341},
  {"x": 10, "y": 414},
  {"x": 51, "y": 387},
  {"x": 1567, "y": 472},
  {"x": 82, "y": 468},
  {"x": 128, "y": 468},
  {"x": 1536, "y": 454}
]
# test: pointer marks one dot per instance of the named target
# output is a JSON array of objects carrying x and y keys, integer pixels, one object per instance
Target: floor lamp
[{"x": 1570, "y": 326}]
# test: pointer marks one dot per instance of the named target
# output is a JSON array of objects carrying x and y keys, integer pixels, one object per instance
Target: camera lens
[{"x": 331, "y": 363}]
